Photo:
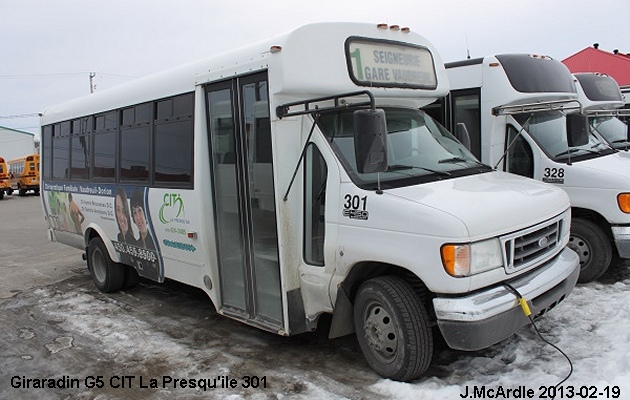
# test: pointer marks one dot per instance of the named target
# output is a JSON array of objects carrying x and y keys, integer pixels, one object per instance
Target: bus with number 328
[
  {"x": 524, "y": 115},
  {"x": 298, "y": 177}
]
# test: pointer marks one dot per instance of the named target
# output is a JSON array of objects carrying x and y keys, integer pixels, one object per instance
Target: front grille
[{"x": 531, "y": 246}]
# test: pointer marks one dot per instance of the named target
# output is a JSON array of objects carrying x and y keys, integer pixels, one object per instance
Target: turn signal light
[
  {"x": 456, "y": 259},
  {"x": 623, "y": 200}
]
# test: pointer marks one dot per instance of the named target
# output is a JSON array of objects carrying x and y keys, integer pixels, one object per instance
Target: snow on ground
[{"x": 592, "y": 327}]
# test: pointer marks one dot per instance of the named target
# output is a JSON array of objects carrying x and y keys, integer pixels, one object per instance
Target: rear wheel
[
  {"x": 107, "y": 275},
  {"x": 392, "y": 328},
  {"x": 590, "y": 243}
]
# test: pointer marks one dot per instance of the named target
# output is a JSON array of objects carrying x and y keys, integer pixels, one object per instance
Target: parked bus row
[
  {"x": 300, "y": 177},
  {"x": 19, "y": 174},
  {"x": 523, "y": 115}
]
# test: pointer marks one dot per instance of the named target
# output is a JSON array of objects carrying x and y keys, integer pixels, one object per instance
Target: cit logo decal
[{"x": 172, "y": 209}]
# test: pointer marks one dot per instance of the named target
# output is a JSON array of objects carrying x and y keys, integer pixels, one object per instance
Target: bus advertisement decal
[
  {"x": 120, "y": 210},
  {"x": 136, "y": 244}
]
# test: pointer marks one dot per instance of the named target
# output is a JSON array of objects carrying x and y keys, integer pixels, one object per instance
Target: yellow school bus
[
  {"x": 5, "y": 186},
  {"x": 24, "y": 174}
]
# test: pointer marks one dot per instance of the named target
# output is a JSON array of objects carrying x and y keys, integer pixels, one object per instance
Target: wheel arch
[
  {"x": 94, "y": 230},
  {"x": 342, "y": 319},
  {"x": 593, "y": 216},
  {"x": 599, "y": 220}
]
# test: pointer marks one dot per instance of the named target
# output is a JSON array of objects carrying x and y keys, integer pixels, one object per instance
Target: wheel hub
[
  {"x": 380, "y": 333},
  {"x": 581, "y": 247}
]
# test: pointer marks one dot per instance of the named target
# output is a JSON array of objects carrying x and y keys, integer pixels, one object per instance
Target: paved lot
[{"x": 27, "y": 258}]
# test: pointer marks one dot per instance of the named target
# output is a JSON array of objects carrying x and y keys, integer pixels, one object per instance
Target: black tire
[
  {"x": 592, "y": 245},
  {"x": 392, "y": 328},
  {"x": 107, "y": 275}
]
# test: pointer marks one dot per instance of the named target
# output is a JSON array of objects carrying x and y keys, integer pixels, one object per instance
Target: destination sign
[{"x": 390, "y": 64}]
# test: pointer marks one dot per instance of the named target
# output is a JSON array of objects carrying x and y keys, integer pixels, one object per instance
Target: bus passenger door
[{"x": 244, "y": 202}]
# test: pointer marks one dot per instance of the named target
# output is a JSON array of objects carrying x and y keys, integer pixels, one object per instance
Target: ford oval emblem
[{"x": 543, "y": 242}]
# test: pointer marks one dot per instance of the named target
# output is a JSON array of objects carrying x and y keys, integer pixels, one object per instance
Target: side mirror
[
  {"x": 577, "y": 130},
  {"x": 461, "y": 133},
  {"x": 370, "y": 140}
]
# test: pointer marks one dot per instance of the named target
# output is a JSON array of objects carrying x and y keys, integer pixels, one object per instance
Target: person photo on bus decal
[
  {"x": 75, "y": 213},
  {"x": 139, "y": 218},
  {"x": 123, "y": 217}
]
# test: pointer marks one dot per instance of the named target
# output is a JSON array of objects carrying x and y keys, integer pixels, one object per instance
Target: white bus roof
[{"x": 307, "y": 62}]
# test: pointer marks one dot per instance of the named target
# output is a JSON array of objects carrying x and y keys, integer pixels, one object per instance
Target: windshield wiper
[
  {"x": 453, "y": 160},
  {"x": 400, "y": 167},
  {"x": 462, "y": 159},
  {"x": 569, "y": 151},
  {"x": 606, "y": 146}
]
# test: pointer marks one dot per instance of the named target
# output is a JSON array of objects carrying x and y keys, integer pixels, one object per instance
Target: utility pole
[{"x": 92, "y": 75}]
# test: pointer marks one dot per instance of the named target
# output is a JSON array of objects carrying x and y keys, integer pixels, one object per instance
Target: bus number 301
[{"x": 355, "y": 207}]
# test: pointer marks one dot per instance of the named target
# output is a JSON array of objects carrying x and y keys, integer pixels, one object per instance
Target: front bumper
[
  {"x": 622, "y": 240},
  {"x": 486, "y": 317}
]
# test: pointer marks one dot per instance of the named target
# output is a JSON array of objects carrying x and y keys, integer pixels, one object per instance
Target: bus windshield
[
  {"x": 418, "y": 149},
  {"x": 550, "y": 132},
  {"x": 612, "y": 129}
]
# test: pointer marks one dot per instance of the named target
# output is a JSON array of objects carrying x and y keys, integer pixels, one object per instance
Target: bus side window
[
  {"x": 519, "y": 158},
  {"x": 315, "y": 174}
]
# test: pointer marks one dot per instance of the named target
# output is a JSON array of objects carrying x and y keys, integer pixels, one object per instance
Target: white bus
[
  {"x": 298, "y": 177},
  {"x": 522, "y": 116},
  {"x": 602, "y": 102}
]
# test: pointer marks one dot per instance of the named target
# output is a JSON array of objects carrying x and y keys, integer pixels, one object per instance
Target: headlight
[
  {"x": 623, "y": 201},
  {"x": 473, "y": 258}
]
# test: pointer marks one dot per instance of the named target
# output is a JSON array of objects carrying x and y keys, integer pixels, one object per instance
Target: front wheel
[
  {"x": 592, "y": 245},
  {"x": 107, "y": 275},
  {"x": 392, "y": 328}
]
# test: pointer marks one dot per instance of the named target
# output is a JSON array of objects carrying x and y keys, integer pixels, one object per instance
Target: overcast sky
[{"x": 49, "y": 47}]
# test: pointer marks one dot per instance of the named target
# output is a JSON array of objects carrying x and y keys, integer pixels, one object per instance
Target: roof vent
[
  {"x": 616, "y": 51},
  {"x": 596, "y": 45}
]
